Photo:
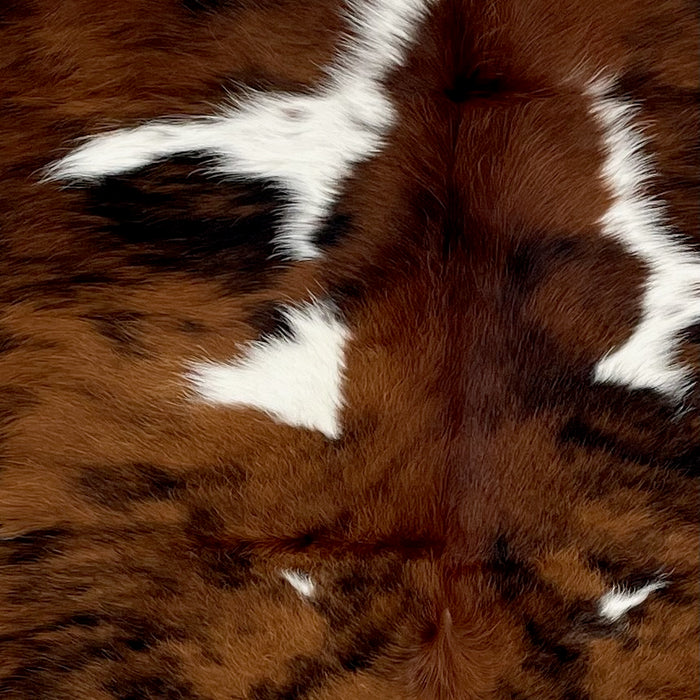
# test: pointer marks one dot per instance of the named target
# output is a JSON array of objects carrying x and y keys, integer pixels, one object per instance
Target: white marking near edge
[
  {"x": 307, "y": 144},
  {"x": 671, "y": 299},
  {"x": 300, "y": 582},
  {"x": 617, "y": 602},
  {"x": 295, "y": 380}
]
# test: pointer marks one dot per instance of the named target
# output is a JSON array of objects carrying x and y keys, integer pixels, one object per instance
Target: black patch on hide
[
  {"x": 363, "y": 649},
  {"x": 270, "y": 322},
  {"x": 509, "y": 574},
  {"x": 334, "y": 229},
  {"x": 531, "y": 261},
  {"x": 32, "y": 546},
  {"x": 306, "y": 673},
  {"x": 174, "y": 217},
  {"x": 692, "y": 334},
  {"x": 577, "y": 432},
  {"x": 8, "y": 342},
  {"x": 220, "y": 563},
  {"x": 152, "y": 688},
  {"x": 121, "y": 328},
  {"x": 562, "y": 665},
  {"x": 120, "y": 487},
  {"x": 473, "y": 84}
]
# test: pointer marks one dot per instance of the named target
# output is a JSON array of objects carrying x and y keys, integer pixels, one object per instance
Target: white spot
[
  {"x": 296, "y": 380},
  {"x": 619, "y": 601},
  {"x": 300, "y": 582},
  {"x": 307, "y": 144},
  {"x": 671, "y": 297}
]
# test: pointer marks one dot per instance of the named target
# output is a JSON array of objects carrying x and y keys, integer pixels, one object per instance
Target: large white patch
[
  {"x": 296, "y": 380},
  {"x": 671, "y": 299},
  {"x": 617, "y": 602},
  {"x": 307, "y": 144}
]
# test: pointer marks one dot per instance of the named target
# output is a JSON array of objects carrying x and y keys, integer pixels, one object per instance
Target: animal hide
[{"x": 349, "y": 350}]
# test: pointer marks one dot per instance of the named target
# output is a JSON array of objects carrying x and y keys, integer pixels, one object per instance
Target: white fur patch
[
  {"x": 671, "y": 299},
  {"x": 307, "y": 144},
  {"x": 295, "y": 380},
  {"x": 300, "y": 582},
  {"x": 617, "y": 602}
]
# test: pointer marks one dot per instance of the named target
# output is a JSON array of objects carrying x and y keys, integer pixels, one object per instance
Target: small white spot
[
  {"x": 636, "y": 219},
  {"x": 307, "y": 144},
  {"x": 300, "y": 582},
  {"x": 619, "y": 601},
  {"x": 296, "y": 380}
]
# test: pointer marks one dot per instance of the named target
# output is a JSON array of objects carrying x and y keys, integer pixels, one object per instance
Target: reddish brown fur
[{"x": 484, "y": 493}]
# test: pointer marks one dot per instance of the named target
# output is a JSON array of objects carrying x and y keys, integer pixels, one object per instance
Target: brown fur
[{"x": 484, "y": 493}]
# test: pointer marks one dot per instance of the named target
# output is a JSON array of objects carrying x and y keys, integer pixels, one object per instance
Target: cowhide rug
[{"x": 349, "y": 350}]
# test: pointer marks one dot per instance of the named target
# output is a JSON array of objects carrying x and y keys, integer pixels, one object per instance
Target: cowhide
[{"x": 349, "y": 350}]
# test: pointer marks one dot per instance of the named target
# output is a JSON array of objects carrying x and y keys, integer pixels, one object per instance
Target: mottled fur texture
[{"x": 454, "y": 530}]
